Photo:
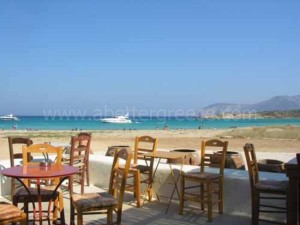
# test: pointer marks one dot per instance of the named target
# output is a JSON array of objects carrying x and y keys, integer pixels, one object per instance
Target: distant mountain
[{"x": 277, "y": 103}]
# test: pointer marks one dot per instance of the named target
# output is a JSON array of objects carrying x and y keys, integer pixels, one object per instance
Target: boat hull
[
  {"x": 118, "y": 122},
  {"x": 9, "y": 117},
  {"x": 118, "y": 119}
]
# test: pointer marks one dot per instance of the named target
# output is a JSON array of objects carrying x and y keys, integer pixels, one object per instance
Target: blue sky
[{"x": 146, "y": 55}]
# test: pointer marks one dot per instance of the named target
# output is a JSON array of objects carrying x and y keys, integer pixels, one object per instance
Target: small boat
[
  {"x": 117, "y": 119},
  {"x": 9, "y": 117}
]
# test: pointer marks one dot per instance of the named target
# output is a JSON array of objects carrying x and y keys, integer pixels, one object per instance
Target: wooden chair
[
  {"x": 78, "y": 157},
  {"x": 107, "y": 203},
  {"x": 202, "y": 185},
  {"x": 21, "y": 195},
  {"x": 13, "y": 141},
  {"x": 264, "y": 189},
  {"x": 86, "y": 142},
  {"x": 11, "y": 214},
  {"x": 139, "y": 174}
]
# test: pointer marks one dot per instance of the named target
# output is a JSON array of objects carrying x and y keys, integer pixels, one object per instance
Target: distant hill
[
  {"x": 280, "y": 114},
  {"x": 278, "y": 103}
]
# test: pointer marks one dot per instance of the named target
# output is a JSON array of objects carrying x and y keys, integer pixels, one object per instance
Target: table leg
[
  {"x": 175, "y": 185},
  {"x": 38, "y": 183},
  {"x": 29, "y": 194},
  {"x": 40, "y": 213},
  {"x": 62, "y": 213},
  {"x": 153, "y": 177},
  {"x": 175, "y": 181}
]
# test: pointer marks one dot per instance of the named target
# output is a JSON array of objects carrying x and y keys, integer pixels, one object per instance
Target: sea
[{"x": 141, "y": 123}]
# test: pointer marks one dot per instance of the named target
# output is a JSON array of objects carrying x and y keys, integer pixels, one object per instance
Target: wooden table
[
  {"x": 293, "y": 173},
  {"x": 39, "y": 173},
  {"x": 168, "y": 156}
]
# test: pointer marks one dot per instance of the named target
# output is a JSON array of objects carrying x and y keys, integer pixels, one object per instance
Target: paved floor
[{"x": 154, "y": 213}]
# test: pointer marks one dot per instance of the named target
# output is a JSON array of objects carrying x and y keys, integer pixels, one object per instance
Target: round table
[{"x": 39, "y": 173}]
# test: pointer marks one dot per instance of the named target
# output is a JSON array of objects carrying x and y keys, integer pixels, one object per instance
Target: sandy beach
[{"x": 275, "y": 148}]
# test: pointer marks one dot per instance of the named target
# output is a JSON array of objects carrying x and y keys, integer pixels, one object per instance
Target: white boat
[
  {"x": 9, "y": 117},
  {"x": 117, "y": 119}
]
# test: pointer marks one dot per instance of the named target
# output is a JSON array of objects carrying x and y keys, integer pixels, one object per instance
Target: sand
[{"x": 280, "y": 149}]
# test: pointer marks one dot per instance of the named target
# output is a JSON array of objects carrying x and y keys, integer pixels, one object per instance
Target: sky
[{"x": 142, "y": 55}]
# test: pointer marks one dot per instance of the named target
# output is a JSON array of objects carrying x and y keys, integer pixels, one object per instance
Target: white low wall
[
  {"x": 5, "y": 181},
  {"x": 237, "y": 199}
]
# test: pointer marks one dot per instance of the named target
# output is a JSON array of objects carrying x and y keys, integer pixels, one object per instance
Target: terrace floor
[{"x": 154, "y": 213}]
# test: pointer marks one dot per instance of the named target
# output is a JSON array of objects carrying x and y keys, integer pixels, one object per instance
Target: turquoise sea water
[{"x": 141, "y": 123}]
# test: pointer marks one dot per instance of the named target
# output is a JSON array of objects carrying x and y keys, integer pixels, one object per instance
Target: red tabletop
[{"x": 36, "y": 171}]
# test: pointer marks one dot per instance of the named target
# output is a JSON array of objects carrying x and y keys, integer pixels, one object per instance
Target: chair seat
[
  {"x": 93, "y": 200},
  {"x": 208, "y": 176},
  {"x": 46, "y": 194},
  {"x": 8, "y": 211},
  {"x": 141, "y": 168},
  {"x": 272, "y": 185}
]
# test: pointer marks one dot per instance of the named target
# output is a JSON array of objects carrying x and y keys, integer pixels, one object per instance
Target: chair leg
[
  {"x": 87, "y": 173},
  {"x": 70, "y": 185},
  {"x": 26, "y": 210},
  {"x": 82, "y": 178},
  {"x": 209, "y": 203},
  {"x": 150, "y": 186},
  {"x": 62, "y": 209},
  {"x": 24, "y": 219},
  {"x": 109, "y": 216},
  {"x": 79, "y": 218},
  {"x": 220, "y": 200},
  {"x": 119, "y": 217},
  {"x": 202, "y": 195},
  {"x": 137, "y": 188},
  {"x": 150, "y": 191},
  {"x": 72, "y": 213},
  {"x": 255, "y": 208},
  {"x": 181, "y": 194},
  {"x": 15, "y": 201},
  {"x": 56, "y": 208},
  {"x": 12, "y": 188}
]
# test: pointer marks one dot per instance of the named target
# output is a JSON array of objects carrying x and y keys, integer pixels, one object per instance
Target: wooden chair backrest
[
  {"x": 79, "y": 157},
  {"x": 251, "y": 164},
  {"x": 12, "y": 153},
  {"x": 80, "y": 146},
  {"x": 144, "y": 144},
  {"x": 41, "y": 149},
  {"x": 221, "y": 156},
  {"x": 85, "y": 140},
  {"x": 118, "y": 178}
]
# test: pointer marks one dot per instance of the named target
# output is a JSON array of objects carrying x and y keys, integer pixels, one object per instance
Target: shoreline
[
  {"x": 277, "y": 142},
  {"x": 73, "y": 124}
]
